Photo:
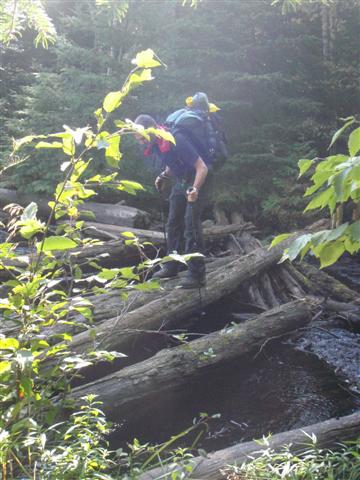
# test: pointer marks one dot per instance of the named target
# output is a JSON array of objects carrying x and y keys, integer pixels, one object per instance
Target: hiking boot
[
  {"x": 167, "y": 270},
  {"x": 192, "y": 281}
]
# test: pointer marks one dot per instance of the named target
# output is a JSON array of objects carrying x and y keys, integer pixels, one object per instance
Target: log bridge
[{"x": 285, "y": 297}]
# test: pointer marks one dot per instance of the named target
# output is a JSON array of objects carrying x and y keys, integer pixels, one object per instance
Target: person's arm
[
  {"x": 200, "y": 176},
  {"x": 162, "y": 178}
]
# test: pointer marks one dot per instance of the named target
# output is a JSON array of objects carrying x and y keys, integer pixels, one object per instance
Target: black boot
[{"x": 167, "y": 270}]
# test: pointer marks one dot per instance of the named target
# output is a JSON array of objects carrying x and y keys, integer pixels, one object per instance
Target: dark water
[{"x": 281, "y": 390}]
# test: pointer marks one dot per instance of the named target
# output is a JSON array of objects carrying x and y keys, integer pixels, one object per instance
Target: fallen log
[
  {"x": 117, "y": 333},
  {"x": 213, "y": 232},
  {"x": 328, "y": 434},
  {"x": 109, "y": 213},
  {"x": 171, "y": 368},
  {"x": 319, "y": 282}
]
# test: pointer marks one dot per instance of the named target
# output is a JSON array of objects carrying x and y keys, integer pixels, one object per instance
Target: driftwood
[
  {"x": 171, "y": 368},
  {"x": 114, "y": 214},
  {"x": 116, "y": 333},
  {"x": 327, "y": 433}
]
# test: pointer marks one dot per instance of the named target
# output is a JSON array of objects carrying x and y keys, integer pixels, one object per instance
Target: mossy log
[
  {"x": 172, "y": 368},
  {"x": 168, "y": 311},
  {"x": 328, "y": 434}
]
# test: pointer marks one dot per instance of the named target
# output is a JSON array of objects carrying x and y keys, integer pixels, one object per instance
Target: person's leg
[
  {"x": 174, "y": 231},
  {"x": 194, "y": 243}
]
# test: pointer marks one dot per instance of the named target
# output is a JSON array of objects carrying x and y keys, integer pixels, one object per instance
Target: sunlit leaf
[
  {"x": 145, "y": 59},
  {"x": 112, "y": 101},
  {"x": 49, "y": 145},
  {"x": 9, "y": 344},
  {"x": 279, "y": 238},
  {"x": 304, "y": 165},
  {"x": 354, "y": 142},
  {"x": 339, "y": 132},
  {"x": 58, "y": 243}
]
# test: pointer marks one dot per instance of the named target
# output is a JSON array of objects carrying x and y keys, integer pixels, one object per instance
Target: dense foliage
[{"x": 282, "y": 82}]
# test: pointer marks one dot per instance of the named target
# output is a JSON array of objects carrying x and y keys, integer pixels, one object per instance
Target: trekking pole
[{"x": 162, "y": 201}]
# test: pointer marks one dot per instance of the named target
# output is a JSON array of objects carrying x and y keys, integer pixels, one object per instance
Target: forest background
[{"x": 282, "y": 81}]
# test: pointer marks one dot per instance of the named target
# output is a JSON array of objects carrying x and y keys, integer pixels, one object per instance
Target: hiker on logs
[{"x": 186, "y": 164}]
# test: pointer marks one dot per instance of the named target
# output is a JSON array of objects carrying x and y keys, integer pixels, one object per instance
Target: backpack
[{"x": 203, "y": 128}]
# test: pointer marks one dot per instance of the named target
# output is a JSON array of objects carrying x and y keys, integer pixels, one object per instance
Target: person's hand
[
  {"x": 159, "y": 183},
  {"x": 192, "y": 194}
]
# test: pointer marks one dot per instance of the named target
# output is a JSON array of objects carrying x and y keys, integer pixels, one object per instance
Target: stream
[{"x": 306, "y": 378}]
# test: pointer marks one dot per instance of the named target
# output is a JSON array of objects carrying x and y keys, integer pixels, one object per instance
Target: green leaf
[
  {"x": 112, "y": 152},
  {"x": 321, "y": 200},
  {"x": 30, "y": 227},
  {"x": 128, "y": 235},
  {"x": 130, "y": 187},
  {"x": 4, "y": 367},
  {"x": 296, "y": 247},
  {"x": 112, "y": 101},
  {"x": 337, "y": 232},
  {"x": 145, "y": 59},
  {"x": 26, "y": 385},
  {"x": 149, "y": 286},
  {"x": 29, "y": 212},
  {"x": 354, "y": 231},
  {"x": 9, "y": 344},
  {"x": 304, "y": 165},
  {"x": 339, "y": 132},
  {"x": 137, "y": 78},
  {"x": 58, "y": 243},
  {"x": 279, "y": 238},
  {"x": 339, "y": 183},
  {"x": 68, "y": 145},
  {"x": 49, "y": 145},
  {"x": 160, "y": 132},
  {"x": 354, "y": 142},
  {"x": 330, "y": 253}
]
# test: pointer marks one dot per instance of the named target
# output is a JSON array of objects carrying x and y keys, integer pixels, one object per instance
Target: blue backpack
[{"x": 203, "y": 129}]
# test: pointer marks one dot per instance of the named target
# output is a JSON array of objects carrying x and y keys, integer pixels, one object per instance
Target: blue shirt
[{"x": 181, "y": 158}]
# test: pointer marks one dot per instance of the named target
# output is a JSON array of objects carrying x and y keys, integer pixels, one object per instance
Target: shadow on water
[{"x": 280, "y": 390}]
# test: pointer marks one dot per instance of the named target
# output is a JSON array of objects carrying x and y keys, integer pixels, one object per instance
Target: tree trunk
[
  {"x": 172, "y": 368},
  {"x": 327, "y": 433},
  {"x": 109, "y": 213}
]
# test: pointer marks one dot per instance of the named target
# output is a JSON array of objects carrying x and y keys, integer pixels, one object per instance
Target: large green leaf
[
  {"x": 112, "y": 101},
  {"x": 112, "y": 152},
  {"x": 354, "y": 231},
  {"x": 330, "y": 253},
  {"x": 297, "y": 246},
  {"x": 58, "y": 243},
  {"x": 321, "y": 200},
  {"x": 354, "y": 142}
]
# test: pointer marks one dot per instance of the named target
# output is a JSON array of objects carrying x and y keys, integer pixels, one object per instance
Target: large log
[
  {"x": 327, "y": 433},
  {"x": 116, "y": 333},
  {"x": 172, "y": 368},
  {"x": 319, "y": 282},
  {"x": 108, "y": 213},
  {"x": 98, "y": 229}
]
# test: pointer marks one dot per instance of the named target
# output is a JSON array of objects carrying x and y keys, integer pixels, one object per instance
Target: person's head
[{"x": 147, "y": 122}]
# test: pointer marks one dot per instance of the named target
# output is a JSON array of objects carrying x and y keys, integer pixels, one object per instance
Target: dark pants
[{"x": 184, "y": 231}]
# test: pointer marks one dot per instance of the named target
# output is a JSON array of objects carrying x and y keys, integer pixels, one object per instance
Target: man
[{"x": 188, "y": 172}]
